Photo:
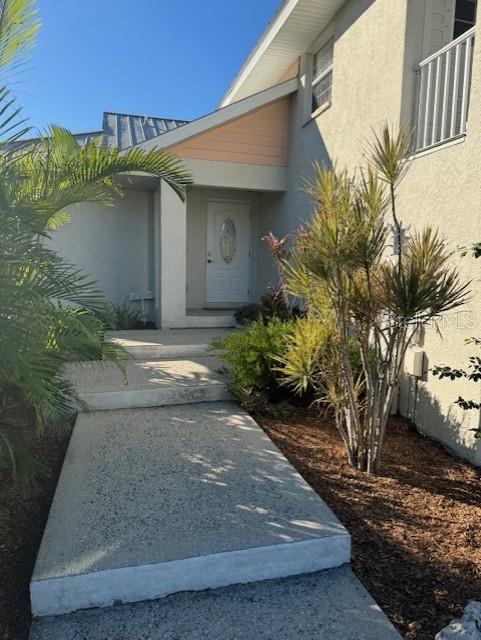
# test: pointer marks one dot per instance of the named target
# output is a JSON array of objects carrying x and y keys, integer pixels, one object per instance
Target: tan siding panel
[{"x": 258, "y": 138}]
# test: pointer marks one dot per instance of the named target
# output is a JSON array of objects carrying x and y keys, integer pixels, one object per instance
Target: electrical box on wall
[
  {"x": 414, "y": 362},
  {"x": 141, "y": 295}
]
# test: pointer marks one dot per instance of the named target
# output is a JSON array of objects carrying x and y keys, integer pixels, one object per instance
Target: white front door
[{"x": 228, "y": 252}]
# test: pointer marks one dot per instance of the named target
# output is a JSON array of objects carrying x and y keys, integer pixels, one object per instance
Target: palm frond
[
  {"x": 18, "y": 30},
  {"x": 387, "y": 153}
]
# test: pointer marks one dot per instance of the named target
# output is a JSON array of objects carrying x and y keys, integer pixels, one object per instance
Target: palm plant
[
  {"x": 377, "y": 301},
  {"x": 49, "y": 309}
]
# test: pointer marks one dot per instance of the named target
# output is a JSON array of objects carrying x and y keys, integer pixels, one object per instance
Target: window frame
[
  {"x": 458, "y": 21},
  {"x": 308, "y": 74},
  {"x": 314, "y": 81}
]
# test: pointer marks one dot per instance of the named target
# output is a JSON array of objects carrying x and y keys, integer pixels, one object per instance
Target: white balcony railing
[{"x": 444, "y": 83}]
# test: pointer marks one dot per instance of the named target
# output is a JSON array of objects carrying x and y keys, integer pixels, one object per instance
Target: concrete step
[
  {"x": 167, "y": 343},
  {"x": 332, "y": 605},
  {"x": 152, "y": 502},
  {"x": 203, "y": 319},
  {"x": 154, "y": 383}
]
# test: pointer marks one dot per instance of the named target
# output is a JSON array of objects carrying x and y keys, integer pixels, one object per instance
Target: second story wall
[
  {"x": 443, "y": 189},
  {"x": 367, "y": 77},
  {"x": 368, "y": 61}
]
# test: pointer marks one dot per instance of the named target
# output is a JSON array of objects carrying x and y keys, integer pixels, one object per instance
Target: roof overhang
[
  {"x": 294, "y": 27},
  {"x": 222, "y": 116}
]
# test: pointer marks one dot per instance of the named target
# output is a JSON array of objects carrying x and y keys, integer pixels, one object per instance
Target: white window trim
[
  {"x": 309, "y": 81},
  {"x": 322, "y": 75},
  {"x": 316, "y": 81}
]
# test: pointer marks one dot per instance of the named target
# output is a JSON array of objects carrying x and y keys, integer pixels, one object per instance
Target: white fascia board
[
  {"x": 221, "y": 116},
  {"x": 262, "y": 46}
]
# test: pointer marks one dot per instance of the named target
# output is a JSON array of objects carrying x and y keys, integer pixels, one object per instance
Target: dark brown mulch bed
[
  {"x": 22, "y": 521},
  {"x": 415, "y": 528}
]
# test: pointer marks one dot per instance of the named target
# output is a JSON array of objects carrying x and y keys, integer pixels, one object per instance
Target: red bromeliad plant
[{"x": 280, "y": 254}]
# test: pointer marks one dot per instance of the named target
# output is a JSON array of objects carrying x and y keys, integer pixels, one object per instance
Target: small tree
[{"x": 376, "y": 301}]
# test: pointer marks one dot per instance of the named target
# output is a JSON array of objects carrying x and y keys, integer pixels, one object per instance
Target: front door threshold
[{"x": 207, "y": 319}]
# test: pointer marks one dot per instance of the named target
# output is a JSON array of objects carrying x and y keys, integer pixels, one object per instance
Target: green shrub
[
  {"x": 251, "y": 355},
  {"x": 120, "y": 317},
  {"x": 307, "y": 356},
  {"x": 310, "y": 362},
  {"x": 248, "y": 313},
  {"x": 272, "y": 305}
]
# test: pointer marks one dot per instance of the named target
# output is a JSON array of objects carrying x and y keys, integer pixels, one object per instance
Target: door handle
[{"x": 209, "y": 261}]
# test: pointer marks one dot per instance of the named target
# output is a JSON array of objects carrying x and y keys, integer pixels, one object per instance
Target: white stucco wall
[
  {"x": 113, "y": 244},
  {"x": 443, "y": 190}
]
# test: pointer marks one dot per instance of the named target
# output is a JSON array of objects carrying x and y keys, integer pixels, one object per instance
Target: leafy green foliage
[
  {"x": 48, "y": 311},
  {"x": 18, "y": 30},
  {"x": 251, "y": 354},
  {"x": 120, "y": 317},
  {"x": 272, "y": 305},
  {"x": 308, "y": 355},
  {"x": 248, "y": 313},
  {"x": 54, "y": 172}
]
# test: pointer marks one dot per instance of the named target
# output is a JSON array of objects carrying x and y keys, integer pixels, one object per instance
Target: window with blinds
[{"x": 322, "y": 68}]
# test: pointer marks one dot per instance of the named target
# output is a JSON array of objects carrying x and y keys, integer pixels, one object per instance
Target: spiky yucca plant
[{"x": 377, "y": 300}]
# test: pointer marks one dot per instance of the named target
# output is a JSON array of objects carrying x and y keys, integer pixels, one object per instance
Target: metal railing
[{"x": 444, "y": 83}]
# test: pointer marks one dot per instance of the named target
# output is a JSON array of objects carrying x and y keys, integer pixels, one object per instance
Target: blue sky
[{"x": 167, "y": 58}]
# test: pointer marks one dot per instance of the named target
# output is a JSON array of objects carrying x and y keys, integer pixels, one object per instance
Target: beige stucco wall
[
  {"x": 113, "y": 244},
  {"x": 377, "y": 45},
  {"x": 443, "y": 189},
  {"x": 367, "y": 90}
]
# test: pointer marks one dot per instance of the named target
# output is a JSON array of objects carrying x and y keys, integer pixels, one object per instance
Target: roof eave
[
  {"x": 262, "y": 44},
  {"x": 223, "y": 116},
  {"x": 291, "y": 32}
]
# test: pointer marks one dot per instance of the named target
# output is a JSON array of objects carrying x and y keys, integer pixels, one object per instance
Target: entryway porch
[{"x": 208, "y": 248}]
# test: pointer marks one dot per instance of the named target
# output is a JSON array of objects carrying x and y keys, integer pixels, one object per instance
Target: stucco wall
[
  {"x": 377, "y": 45},
  {"x": 113, "y": 244},
  {"x": 367, "y": 89},
  {"x": 443, "y": 189}
]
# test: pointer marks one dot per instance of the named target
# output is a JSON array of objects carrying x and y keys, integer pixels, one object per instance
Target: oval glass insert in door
[{"x": 227, "y": 240}]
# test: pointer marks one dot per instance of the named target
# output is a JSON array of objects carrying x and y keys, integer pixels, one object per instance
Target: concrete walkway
[
  {"x": 147, "y": 383},
  {"x": 174, "y": 343},
  {"x": 175, "y": 496},
  {"x": 331, "y": 605}
]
